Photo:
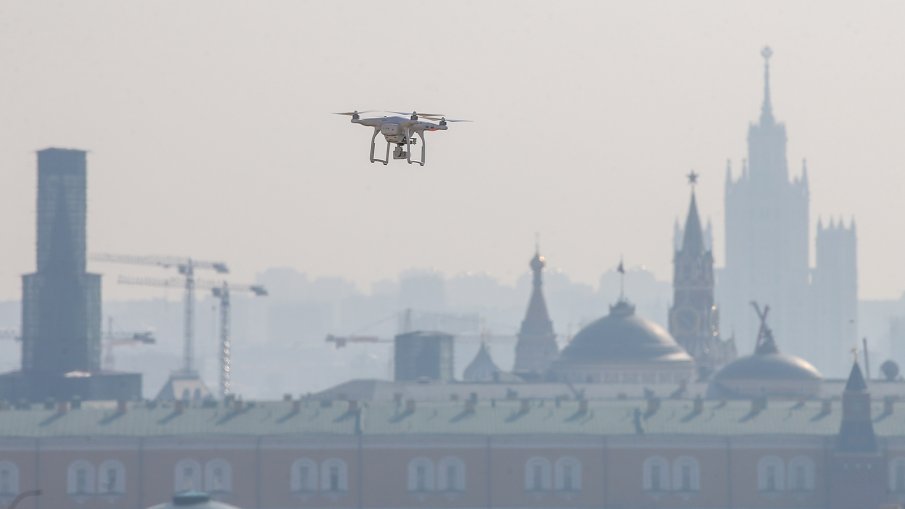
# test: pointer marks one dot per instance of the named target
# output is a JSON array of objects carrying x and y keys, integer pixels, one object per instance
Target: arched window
[
  {"x": 686, "y": 474},
  {"x": 537, "y": 474},
  {"x": 567, "y": 474},
  {"x": 218, "y": 476},
  {"x": 451, "y": 474},
  {"x": 334, "y": 476},
  {"x": 801, "y": 474},
  {"x": 303, "y": 476},
  {"x": 770, "y": 474},
  {"x": 421, "y": 475},
  {"x": 9, "y": 479},
  {"x": 80, "y": 478},
  {"x": 656, "y": 474},
  {"x": 111, "y": 478},
  {"x": 897, "y": 475},
  {"x": 187, "y": 476}
]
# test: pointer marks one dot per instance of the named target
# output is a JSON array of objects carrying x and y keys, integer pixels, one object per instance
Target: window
[
  {"x": 687, "y": 472},
  {"x": 537, "y": 474},
  {"x": 9, "y": 479},
  {"x": 334, "y": 476},
  {"x": 801, "y": 474},
  {"x": 218, "y": 476},
  {"x": 111, "y": 479},
  {"x": 187, "y": 476},
  {"x": 80, "y": 478},
  {"x": 568, "y": 474},
  {"x": 770, "y": 474},
  {"x": 451, "y": 474},
  {"x": 421, "y": 475},
  {"x": 656, "y": 474},
  {"x": 897, "y": 475},
  {"x": 303, "y": 476}
]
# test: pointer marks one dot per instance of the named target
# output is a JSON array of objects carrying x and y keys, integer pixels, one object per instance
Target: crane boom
[{"x": 186, "y": 267}]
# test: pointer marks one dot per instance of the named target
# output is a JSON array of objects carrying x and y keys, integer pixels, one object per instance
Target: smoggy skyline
[{"x": 209, "y": 130}]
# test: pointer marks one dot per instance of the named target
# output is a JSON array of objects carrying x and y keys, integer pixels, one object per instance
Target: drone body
[{"x": 402, "y": 132}]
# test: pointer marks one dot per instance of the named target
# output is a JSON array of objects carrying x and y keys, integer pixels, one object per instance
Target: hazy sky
[{"x": 210, "y": 134}]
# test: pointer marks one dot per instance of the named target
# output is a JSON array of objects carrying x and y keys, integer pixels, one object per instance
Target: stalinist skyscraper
[
  {"x": 767, "y": 236},
  {"x": 814, "y": 311}
]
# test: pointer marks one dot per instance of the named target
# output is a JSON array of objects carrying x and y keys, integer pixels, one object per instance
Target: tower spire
[
  {"x": 536, "y": 347},
  {"x": 766, "y": 109},
  {"x": 693, "y": 237}
]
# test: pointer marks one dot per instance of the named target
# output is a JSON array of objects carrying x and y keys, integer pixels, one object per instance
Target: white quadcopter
[{"x": 401, "y": 131}]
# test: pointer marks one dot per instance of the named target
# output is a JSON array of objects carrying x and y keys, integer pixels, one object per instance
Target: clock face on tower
[{"x": 686, "y": 320}]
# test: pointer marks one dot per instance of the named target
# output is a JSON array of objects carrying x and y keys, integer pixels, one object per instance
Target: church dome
[
  {"x": 623, "y": 336},
  {"x": 623, "y": 347}
]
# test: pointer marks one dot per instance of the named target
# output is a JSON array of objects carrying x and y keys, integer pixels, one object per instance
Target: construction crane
[
  {"x": 113, "y": 339},
  {"x": 186, "y": 268},
  {"x": 222, "y": 293},
  {"x": 221, "y": 290},
  {"x": 344, "y": 341}
]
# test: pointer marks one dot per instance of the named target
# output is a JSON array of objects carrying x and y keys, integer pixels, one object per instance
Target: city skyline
[{"x": 213, "y": 144}]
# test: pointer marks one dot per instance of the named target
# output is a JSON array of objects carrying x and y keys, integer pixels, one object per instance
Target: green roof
[{"x": 613, "y": 417}]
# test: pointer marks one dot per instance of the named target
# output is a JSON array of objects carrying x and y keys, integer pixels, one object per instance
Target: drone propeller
[
  {"x": 353, "y": 113},
  {"x": 416, "y": 114},
  {"x": 443, "y": 119}
]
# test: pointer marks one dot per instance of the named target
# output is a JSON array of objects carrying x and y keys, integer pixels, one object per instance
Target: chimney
[
  {"x": 525, "y": 406},
  {"x": 698, "y": 404},
  {"x": 889, "y": 405},
  {"x": 409, "y": 406},
  {"x": 121, "y": 406},
  {"x": 179, "y": 407},
  {"x": 62, "y": 407},
  {"x": 826, "y": 406},
  {"x": 296, "y": 406},
  {"x": 287, "y": 397},
  {"x": 758, "y": 404},
  {"x": 353, "y": 406},
  {"x": 582, "y": 406},
  {"x": 470, "y": 405},
  {"x": 653, "y": 405}
]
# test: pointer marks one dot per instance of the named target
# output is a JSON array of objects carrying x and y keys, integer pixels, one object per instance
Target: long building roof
[{"x": 507, "y": 417}]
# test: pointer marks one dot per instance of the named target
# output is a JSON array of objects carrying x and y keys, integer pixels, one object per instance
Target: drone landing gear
[
  {"x": 409, "y": 142},
  {"x": 386, "y": 158}
]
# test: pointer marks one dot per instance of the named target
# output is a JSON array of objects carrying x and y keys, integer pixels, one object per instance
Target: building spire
[
  {"x": 766, "y": 109},
  {"x": 537, "y": 319},
  {"x": 536, "y": 347},
  {"x": 693, "y": 238}
]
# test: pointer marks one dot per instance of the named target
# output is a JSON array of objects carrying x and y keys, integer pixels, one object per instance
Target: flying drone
[{"x": 402, "y": 131}]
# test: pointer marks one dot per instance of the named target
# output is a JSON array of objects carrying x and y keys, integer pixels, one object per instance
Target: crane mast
[{"x": 222, "y": 293}]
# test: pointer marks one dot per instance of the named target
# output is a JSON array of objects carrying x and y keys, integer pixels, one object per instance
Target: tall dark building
[
  {"x": 694, "y": 318},
  {"x": 61, "y": 302},
  {"x": 536, "y": 348},
  {"x": 423, "y": 355}
]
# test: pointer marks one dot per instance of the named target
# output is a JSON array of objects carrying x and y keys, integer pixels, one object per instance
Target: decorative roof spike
[{"x": 766, "y": 109}]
